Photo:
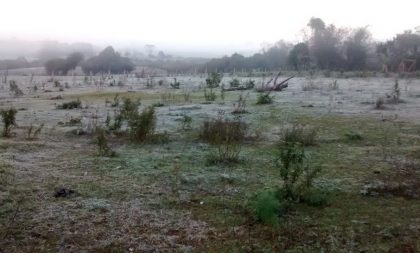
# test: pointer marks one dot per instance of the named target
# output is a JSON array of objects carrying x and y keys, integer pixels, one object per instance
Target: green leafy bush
[
  {"x": 234, "y": 83},
  {"x": 264, "y": 98},
  {"x": 250, "y": 84},
  {"x": 213, "y": 80},
  {"x": 186, "y": 122},
  {"x": 297, "y": 186},
  {"x": 142, "y": 125},
  {"x": 267, "y": 207},
  {"x": 103, "y": 147},
  {"x": 9, "y": 121},
  {"x": 209, "y": 95}
]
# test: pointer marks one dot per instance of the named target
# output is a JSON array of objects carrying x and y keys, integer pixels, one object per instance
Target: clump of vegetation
[
  {"x": 58, "y": 66},
  {"x": 176, "y": 84},
  {"x": 75, "y": 104},
  {"x": 186, "y": 122},
  {"x": 300, "y": 134},
  {"x": 107, "y": 61},
  {"x": 57, "y": 83},
  {"x": 142, "y": 126},
  {"x": 213, "y": 80},
  {"x": 240, "y": 105},
  {"x": 209, "y": 95},
  {"x": 353, "y": 136},
  {"x": 34, "y": 131},
  {"x": 250, "y": 84},
  {"x": 264, "y": 98},
  {"x": 226, "y": 136},
  {"x": 128, "y": 110},
  {"x": 103, "y": 147},
  {"x": 234, "y": 83},
  {"x": 297, "y": 186},
  {"x": 14, "y": 88},
  {"x": 380, "y": 103},
  {"x": 267, "y": 207},
  {"x": 116, "y": 101},
  {"x": 394, "y": 97},
  {"x": 9, "y": 121}
]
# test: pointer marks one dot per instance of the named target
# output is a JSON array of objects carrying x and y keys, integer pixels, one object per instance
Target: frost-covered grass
[{"x": 166, "y": 197}]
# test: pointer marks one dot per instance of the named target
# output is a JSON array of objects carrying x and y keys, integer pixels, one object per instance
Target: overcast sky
[{"x": 224, "y": 25}]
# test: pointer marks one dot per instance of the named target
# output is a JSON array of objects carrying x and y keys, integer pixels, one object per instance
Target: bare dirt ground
[{"x": 164, "y": 198}]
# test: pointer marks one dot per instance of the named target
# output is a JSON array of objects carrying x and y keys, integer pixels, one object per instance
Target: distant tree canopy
[
  {"x": 269, "y": 59},
  {"x": 20, "y": 62},
  {"x": 326, "y": 47},
  {"x": 108, "y": 61},
  {"x": 403, "y": 46},
  {"x": 60, "y": 66},
  {"x": 299, "y": 57}
]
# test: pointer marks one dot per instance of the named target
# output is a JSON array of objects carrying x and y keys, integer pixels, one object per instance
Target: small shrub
[
  {"x": 209, "y": 95},
  {"x": 240, "y": 105},
  {"x": 310, "y": 85},
  {"x": 380, "y": 103},
  {"x": 315, "y": 197},
  {"x": 226, "y": 137},
  {"x": 394, "y": 97},
  {"x": 75, "y": 104},
  {"x": 250, "y": 84},
  {"x": 353, "y": 136},
  {"x": 213, "y": 80},
  {"x": 116, "y": 101},
  {"x": 129, "y": 108},
  {"x": 186, "y": 122},
  {"x": 264, "y": 98},
  {"x": 114, "y": 124},
  {"x": 267, "y": 207},
  {"x": 234, "y": 83},
  {"x": 297, "y": 187},
  {"x": 298, "y": 134},
  {"x": 103, "y": 147},
  {"x": 14, "y": 88},
  {"x": 142, "y": 125},
  {"x": 34, "y": 131},
  {"x": 296, "y": 174},
  {"x": 9, "y": 121},
  {"x": 175, "y": 84}
]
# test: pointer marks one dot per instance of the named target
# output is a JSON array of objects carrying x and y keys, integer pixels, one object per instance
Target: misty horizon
[{"x": 195, "y": 29}]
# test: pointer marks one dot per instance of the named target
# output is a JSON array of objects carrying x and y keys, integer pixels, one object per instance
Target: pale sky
[{"x": 196, "y": 24}]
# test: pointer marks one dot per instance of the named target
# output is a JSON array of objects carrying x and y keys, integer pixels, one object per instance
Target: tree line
[
  {"x": 328, "y": 47},
  {"x": 107, "y": 61}
]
